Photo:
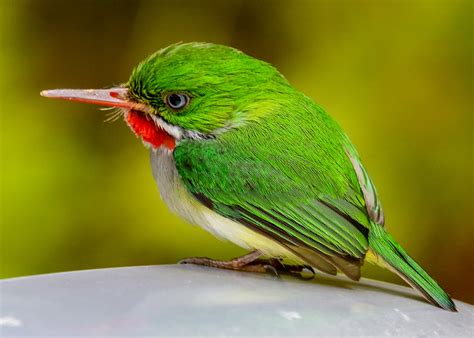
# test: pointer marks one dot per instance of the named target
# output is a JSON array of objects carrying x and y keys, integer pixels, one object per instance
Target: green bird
[{"x": 237, "y": 150}]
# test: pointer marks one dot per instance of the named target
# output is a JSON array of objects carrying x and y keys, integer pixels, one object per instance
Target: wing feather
[{"x": 311, "y": 202}]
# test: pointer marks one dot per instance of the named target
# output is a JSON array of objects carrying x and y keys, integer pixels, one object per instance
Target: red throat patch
[{"x": 144, "y": 127}]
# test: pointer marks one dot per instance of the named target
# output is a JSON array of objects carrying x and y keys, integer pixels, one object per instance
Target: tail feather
[{"x": 393, "y": 254}]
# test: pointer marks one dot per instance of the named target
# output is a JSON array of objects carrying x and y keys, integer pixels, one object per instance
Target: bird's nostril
[{"x": 119, "y": 93}]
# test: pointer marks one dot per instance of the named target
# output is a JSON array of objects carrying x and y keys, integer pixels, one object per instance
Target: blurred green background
[{"x": 77, "y": 193}]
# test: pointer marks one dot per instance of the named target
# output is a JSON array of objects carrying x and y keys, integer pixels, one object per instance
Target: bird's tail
[{"x": 385, "y": 247}]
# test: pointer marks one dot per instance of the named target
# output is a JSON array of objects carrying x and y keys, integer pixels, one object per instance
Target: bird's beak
[{"x": 112, "y": 97}]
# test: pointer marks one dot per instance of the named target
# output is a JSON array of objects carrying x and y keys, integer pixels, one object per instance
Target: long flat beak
[{"x": 112, "y": 97}]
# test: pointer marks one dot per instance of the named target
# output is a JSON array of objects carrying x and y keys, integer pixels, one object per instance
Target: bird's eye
[{"x": 177, "y": 101}]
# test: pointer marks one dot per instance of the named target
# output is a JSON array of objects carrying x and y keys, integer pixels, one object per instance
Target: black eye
[{"x": 177, "y": 101}]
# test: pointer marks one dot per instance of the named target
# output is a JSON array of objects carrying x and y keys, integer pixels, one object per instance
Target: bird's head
[{"x": 192, "y": 90}]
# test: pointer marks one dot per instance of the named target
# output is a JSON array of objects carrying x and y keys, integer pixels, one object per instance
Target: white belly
[{"x": 183, "y": 203}]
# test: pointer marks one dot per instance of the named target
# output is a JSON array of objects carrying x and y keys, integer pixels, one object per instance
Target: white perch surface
[{"x": 176, "y": 300}]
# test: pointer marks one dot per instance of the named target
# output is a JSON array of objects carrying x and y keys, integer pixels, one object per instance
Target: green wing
[{"x": 301, "y": 191}]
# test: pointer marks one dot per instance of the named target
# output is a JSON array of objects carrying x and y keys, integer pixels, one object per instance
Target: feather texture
[{"x": 284, "y": 183}]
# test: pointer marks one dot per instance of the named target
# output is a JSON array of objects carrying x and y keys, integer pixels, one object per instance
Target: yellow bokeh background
[{"x": 77, "y": 193}]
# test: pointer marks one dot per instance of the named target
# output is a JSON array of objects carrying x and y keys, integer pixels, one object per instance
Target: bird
[{"x": 237, "y": 150}]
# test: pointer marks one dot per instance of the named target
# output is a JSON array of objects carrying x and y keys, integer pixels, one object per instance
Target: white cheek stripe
[{"x": 175, "y": 131}]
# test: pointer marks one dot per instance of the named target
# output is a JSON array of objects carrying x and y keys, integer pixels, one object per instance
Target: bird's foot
[
  {"x": 252, "y": 262},
  {"x": 242, "y": 263}
]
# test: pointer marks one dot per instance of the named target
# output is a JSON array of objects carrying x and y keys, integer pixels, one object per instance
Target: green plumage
[
  {"x": 282, "y": 180},
  {"x": 269, "y": 158}
]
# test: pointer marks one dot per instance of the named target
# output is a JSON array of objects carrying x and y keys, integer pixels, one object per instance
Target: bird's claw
[
  {"x": 277, "y": 267},
  {"x": 185, "y": 261},
  {"x": 310, "y": 270},
  {"x": 271, "y": 269}
]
